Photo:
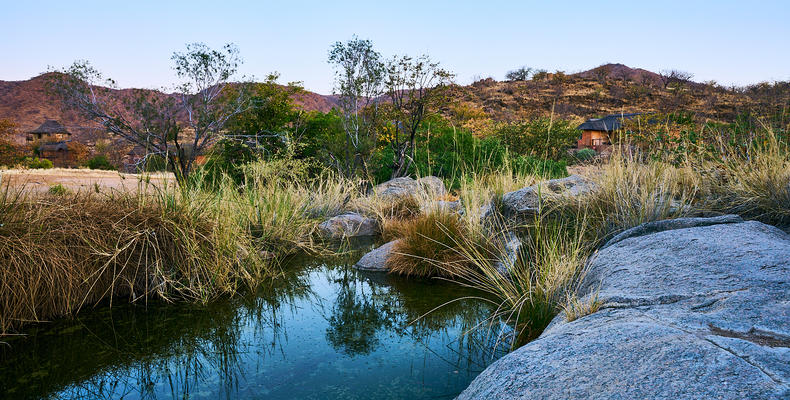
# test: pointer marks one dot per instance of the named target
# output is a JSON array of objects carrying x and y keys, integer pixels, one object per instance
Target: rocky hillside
[
  {"x": 28, "y": 104},
  {"x": 611, "y": 88},
  {"x": 616, "y": 88}
]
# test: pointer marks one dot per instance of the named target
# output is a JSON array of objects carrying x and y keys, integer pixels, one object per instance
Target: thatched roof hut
[{"x": 51, "y": 126}]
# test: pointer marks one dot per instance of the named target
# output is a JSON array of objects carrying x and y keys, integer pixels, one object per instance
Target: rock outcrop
[
  {"x": 692, "y": 309},
  {"x": 348, "y": 225},
  {"x": 376, "y": 260},
  {"x": 405, "y": 186},
  {"x": 526, "y": 202}
]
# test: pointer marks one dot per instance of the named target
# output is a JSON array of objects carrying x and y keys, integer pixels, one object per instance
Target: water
[{"x": 324, "y": 332}]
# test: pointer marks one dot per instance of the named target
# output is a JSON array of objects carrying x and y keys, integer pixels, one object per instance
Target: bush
[
  {"x": 542, "y": 137},
  {"x": 57, "y": 190},
  {"x": 585, "y": 155},
  {"x": 36, "y": 163},
  {"x": 99, "y": 162}
]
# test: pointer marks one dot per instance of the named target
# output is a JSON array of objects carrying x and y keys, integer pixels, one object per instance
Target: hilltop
[{"x": 617, "y": 88}]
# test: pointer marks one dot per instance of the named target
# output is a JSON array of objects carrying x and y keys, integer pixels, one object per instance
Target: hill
[
  {"x": 28, "y": 104},
  {"x": 617, "y": 88},
  {"x": 607, "y": 89}
]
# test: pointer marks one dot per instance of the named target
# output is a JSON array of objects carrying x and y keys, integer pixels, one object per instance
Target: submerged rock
[
  {"x": 348, "y": 225},
  {"x": 692, "y": 309},
  {"x": 376, "y": 259},
  {"x": 405, "y": 186},
  {"x": 526, "y": 202}
]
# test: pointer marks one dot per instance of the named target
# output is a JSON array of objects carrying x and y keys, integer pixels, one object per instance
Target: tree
[
  {"x": 520, "y": 74},
  {"x": 272, "y": 122},
  {"x": 359, "y": 74},
  {"x": 669, "y": 76},
  {"x": 176, "y": 127},
  {"x": 414, "y": 86}
]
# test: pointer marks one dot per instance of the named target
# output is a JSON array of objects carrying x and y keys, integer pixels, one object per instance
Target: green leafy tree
[
  {"x": 272, "y": 120},
  {"x": 359, "y": 74},
  {"x": 415, "y": 87}
]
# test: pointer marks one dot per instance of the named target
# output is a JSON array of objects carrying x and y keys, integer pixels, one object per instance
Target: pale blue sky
[{"x": 730, "y": 41}]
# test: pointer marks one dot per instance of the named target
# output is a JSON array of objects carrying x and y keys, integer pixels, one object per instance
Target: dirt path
[{"x": 40, "y": 180}]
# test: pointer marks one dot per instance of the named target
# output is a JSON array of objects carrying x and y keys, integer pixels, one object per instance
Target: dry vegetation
[{"x": 67, "y": 249}]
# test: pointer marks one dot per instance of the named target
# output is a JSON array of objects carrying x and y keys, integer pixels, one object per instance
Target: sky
[{"x": 731, "y": 42}]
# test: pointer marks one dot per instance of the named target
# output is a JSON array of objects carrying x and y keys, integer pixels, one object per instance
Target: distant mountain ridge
[
  {"x": 606, "y": 89},
  {"x": 28, "y": 104}
]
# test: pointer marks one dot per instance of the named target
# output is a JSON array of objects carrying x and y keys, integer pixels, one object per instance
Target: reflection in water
[{"x": 321, "y": 332}]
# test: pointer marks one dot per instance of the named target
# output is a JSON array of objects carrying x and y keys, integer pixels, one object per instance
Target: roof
[
  {"x": 51, "y": 126},
  {"x": 608, "y": 123}
]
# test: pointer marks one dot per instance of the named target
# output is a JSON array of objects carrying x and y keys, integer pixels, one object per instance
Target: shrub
[
  {"x": 36, "y": 163},
  {"x": 585, "y": 155},
  {"x": 549, "y": 169},
  {"x": 99, "y": 162},
  {"x": 542, "y": 137},
  {"x": 57, "y": 190}
]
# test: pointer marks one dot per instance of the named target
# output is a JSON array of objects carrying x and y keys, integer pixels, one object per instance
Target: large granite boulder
[
  {"x": 376, "y": 260},
  {"x": 526, "y": 202},
  {"x": 348, "y": 225},
  {"x": 692, "y": 309},
  {"x": 405, "y": 186}
]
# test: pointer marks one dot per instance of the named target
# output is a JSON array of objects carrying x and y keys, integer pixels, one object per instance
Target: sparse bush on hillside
[{"x": 520, "y": 74}]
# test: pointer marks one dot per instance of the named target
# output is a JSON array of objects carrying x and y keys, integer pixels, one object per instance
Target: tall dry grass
[
  {"x": 64, "y": 251},
  {"x": 754, "y": 183},
  {"x": 61, "y": 253}
]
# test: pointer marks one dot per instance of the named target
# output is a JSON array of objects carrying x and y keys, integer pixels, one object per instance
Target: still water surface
[{"x": 325, "y": 332}]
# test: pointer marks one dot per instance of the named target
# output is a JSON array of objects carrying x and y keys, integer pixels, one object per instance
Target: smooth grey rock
[
  {"x": 348, "y": 225},
  {"x": 376, "y": 259},
  {"x": 669, "y": 224},
  {"x": 526, "y": 202},
  {"x": 433, "y": 186},
  {"x": 512, "y": 247},
  {"x": 443, "y": 205},
  {"x": 405, "y": 186},
  {"x": 395, "y": 188},
  {"x": 697, "y": 312}
]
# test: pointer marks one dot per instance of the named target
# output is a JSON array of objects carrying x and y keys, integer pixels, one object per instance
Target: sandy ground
[{"x": 40, "y": 180}]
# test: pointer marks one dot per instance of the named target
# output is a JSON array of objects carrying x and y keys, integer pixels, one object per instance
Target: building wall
[
  {"x": 47, "y": 137},
  {"x": 593, "y": 140}
]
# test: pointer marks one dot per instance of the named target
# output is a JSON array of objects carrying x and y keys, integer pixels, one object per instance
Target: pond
[{"x": 326, "y": 331}]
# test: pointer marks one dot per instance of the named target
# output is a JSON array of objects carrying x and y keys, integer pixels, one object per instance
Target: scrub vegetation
[{"x": 255, "y": 192}]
